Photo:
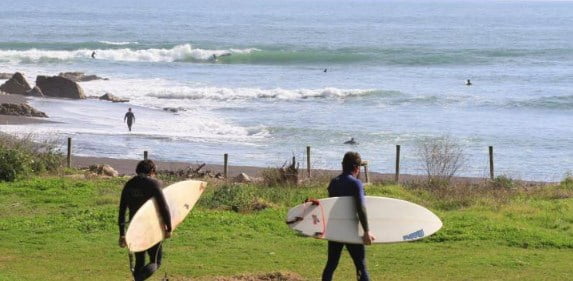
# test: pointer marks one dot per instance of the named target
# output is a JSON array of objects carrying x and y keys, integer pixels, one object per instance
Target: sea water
[{"x": 291, "y": 74}]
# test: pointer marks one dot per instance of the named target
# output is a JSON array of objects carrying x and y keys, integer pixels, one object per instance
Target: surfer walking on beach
[
  {"x": 347, "y": 184},
  {"x": 130, "y": 118},
  {"x": 135, "y": 193}
]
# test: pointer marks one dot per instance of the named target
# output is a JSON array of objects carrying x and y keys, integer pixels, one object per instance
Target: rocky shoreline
[{"x": 14, "y": 93}]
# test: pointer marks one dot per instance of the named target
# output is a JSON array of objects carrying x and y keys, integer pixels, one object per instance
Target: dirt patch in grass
[{"x": 273, "y": 276}]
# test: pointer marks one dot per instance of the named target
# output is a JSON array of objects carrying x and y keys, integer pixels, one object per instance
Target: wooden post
[
  {"x": 366, "y": 172},
  {"x": 225, "y": 165},
  {"x": 491, "y": 174},
  {"x": 69, "y": 162},
  {"x": 145, "y": 155},
  {"x": 308, "y": 161},
  {"x": 397, "y": 175}
]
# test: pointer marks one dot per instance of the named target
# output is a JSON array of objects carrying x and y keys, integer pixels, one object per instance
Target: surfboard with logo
[
  {"x": 145, "y": 229},
  {"x": 390, "y": 220}
]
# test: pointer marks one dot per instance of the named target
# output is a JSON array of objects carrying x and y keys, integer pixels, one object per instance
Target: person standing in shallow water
[
  {"x": 135, "y": 193},
  {"x": 130, "y": 118},
  {"x": 347, "y": 184}
]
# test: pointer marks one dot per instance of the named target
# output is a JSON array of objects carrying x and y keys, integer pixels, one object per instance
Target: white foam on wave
[
  {"x": 224, "y": 94},
  {"x": 119, "y": 43},
  {"x": 104, "y": 118},
  {"x": 184, "y": 52}
]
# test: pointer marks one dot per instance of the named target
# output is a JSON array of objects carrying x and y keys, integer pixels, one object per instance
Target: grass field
[{"x": 65, "y": 229}]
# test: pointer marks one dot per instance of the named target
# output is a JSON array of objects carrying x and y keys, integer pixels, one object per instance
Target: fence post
[
  {"x": 366, "y": 172},
  {"x": 308, "y": 160},
  {"x": 491, "y": 174},
  {"x": 397, "y": 175},
  {"x": 225, "y": 165},
  {"x": 145, "y": 155},
  {"x": 69, "y": 162}
]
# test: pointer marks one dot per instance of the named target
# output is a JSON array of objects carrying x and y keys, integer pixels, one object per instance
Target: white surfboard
[
  {"x": 145, "y": 229},
  {"x": 390, "y": 220}
]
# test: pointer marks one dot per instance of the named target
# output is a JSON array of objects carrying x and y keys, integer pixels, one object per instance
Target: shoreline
[{"x": 127, "y": 167}]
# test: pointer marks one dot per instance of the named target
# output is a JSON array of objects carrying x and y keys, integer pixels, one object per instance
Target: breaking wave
[{"x": 137, "y": 52}]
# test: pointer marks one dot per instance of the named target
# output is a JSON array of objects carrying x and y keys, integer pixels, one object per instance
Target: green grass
[{"x": 65, "y": 229}]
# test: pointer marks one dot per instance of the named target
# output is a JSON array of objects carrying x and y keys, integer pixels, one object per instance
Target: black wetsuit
[
  {"x": 347, "y": 185},
  {"x": 135, "y": 193},
  {"x": 130, "y": 118}
]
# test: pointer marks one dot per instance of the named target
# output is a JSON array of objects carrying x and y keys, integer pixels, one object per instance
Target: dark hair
[
  {"x": 350, "y": 161},
  {"x": 145, "y": 167}
]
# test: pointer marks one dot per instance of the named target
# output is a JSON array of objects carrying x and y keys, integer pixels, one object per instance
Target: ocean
[{"x": 395, "y": 75}]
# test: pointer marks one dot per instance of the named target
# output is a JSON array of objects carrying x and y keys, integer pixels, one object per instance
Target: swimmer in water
[{"x": 351, "y": 141}]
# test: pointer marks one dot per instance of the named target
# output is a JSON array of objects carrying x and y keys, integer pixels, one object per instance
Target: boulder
[
  {"x": 20, "y": 110},
  {"x": 107, "y": 170},
  {"x": 242, "y": 178},
  {"x": 173, "y": 109},
  {"x": 80, "y": 76},
  {"x": 59, "y": 87},
  {"x": 5, "y": 76},
  {"x": 16, "y": 85},
  {"x": 35, "y": 92},
  {"x": 112, "y": 98},
  {"x": 102, "y": 170}
]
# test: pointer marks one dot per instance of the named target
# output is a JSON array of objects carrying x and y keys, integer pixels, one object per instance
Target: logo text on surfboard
[{"x": 414, "y": 235}]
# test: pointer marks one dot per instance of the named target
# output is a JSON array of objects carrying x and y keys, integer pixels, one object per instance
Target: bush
[
  {"x": 13, "y": 164},
  {"x": 503, "y": 182},
  {"x": 238, "y": 198},
  {"x": 567, "y": 183},
  {"x": 282, "y": 176},
  {"x": 21, "y": 157},
  {"x": 442, "y": 158}
]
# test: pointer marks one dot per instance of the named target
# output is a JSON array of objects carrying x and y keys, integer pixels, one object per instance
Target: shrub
[
  {"x": 442, "y": 158},
  {"x": 238, "y": 198},
  {"x": 503, "y": 182},
  {"x": 285, "y": 175},
  {"x": 567, "y": 183},
  {"x": 20, "y": 157},
  {"x": 13, "y": 164}
]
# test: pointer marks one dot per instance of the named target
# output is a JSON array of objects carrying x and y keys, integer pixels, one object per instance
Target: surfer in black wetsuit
[
  {"x": 130, "y": 118},
  {"x": 347, "y": 184},
  {"x": 135, "y": 193},
  {"x": 93, "y": 54}
]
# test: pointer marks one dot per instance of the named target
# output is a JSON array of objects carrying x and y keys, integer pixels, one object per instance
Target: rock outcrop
[
  {"x": 4, "y": 75},
  {"x": 112, "y": 98},
  {"x": 20, "y": 110},
  {"x": 173, "y": 109},
  {"x": 80, "y": 76},
  {"x": 35, "y": 92},
  {"x": 59, "y": 87},
  {"x": 17, "y": 84}
]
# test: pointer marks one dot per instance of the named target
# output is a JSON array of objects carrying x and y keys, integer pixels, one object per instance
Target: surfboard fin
[{"x": 296, "y": 219}]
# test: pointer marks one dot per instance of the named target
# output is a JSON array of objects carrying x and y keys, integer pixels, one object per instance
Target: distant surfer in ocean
[
  {"x": 130, "y": 118},
  {"x": 93, "y": 54},
  {"x": 468, "y": 82},
  {"x": 325, "y": 70},
  {"x": 351, "y": 142},
  {"x": 348, "y": 184},
  {"x": 135, "y": 193},
  {"x": 215, "y": 57}
]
